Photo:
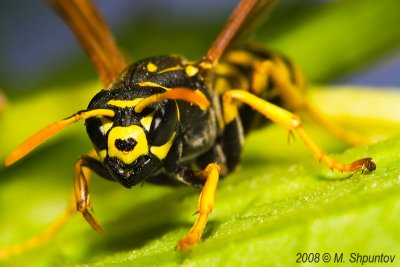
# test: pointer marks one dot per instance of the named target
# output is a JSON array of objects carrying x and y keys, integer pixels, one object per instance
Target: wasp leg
[
  {"x": 83, "y": 204},
  {"x": 41, "y": 238},
  {"x": 291, "y": 90},
  {"x": 341, "y": 133},
  {"x": 206, "y": 202},
  {"x": 291, "y": 122},
  {"x": 79, "y": 201},
  {"x": 50, "y": 231}
]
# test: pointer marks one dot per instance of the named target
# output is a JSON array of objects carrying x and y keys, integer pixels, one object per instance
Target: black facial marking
[{"x": 125, "y": 144}]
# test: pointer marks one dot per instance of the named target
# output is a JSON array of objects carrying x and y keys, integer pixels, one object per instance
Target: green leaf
[{"x": 279, "y": 203}]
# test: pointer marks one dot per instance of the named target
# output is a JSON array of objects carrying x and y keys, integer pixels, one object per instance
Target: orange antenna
[
  {"x": 47, "y": 132},
  {"x": 180, "y": 93},
  {"x": 236, "y": 20}
]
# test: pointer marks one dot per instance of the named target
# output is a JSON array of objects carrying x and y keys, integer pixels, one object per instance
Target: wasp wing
[
  {"x": 247, "y": 15},
  {"x": 94, "y": 36}
]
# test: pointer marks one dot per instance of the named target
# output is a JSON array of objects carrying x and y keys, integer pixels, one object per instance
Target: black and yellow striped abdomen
[{"x": 252, "y": 69}]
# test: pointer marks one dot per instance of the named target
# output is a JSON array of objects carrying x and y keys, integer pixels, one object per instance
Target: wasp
[{"x": 169, "y": 120}]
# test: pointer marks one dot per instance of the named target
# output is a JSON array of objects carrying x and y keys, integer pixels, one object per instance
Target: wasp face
[{"x": 132, "y": 146}]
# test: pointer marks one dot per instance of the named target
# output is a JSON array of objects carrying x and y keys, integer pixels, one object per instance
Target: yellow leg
[
  {"x": 291, "y": 122},
  {"x": 55, "y": 226},
  {"x": 341, "y": 133},
  {"x": 205, "y": 206},
  {"x": 83, "y": 204},
  {"x": 292, "y": 94},
  {"x": 40, "y": 239}
]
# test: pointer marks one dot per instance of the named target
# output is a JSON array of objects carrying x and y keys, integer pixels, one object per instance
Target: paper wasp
[{"x": 169, "y": 120}]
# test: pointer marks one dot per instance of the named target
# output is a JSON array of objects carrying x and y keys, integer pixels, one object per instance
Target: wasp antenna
[
  {"x": 233, "y": 25},
  {"x": 192, "y": 96},
  {"x": 47, "y": 132}
]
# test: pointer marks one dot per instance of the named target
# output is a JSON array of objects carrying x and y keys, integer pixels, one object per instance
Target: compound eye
[
  {"x": 97, "y": 129},
  {"x": 163, "y": 124}
]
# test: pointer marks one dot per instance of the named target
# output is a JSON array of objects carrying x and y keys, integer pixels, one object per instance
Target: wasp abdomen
[{"x": 252, "y": 69}]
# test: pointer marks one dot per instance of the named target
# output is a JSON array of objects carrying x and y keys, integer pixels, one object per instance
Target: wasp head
[{"x": 132, "y": 145}]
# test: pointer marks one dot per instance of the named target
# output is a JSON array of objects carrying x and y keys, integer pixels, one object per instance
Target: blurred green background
[
  {"x": 37, "y": 49},
  {"x": 278, "y": 204}
]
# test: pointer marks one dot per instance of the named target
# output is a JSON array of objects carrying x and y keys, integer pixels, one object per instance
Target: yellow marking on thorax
[
  {"x": 151, "y": 84},
  {"x": 151, "y": 67},
  {"x": 241, "y": 57},
  {"x": 191, "y": 70},
  {"x": 226, "y": 70},
  {"x": 162, "y": 151},
  {"x": 123, "y": 133},
  {"x": 205, "y": 65},
  {"x": 124, "y": 103},
  {"x": 170, "y": 69},
  {"x": 230, "y": 76}
]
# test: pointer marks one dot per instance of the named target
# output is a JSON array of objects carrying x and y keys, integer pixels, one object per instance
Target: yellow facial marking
[
  {"x": 151, "y": 84},
  {"x": 146, "y": 121},
  {"x": 151, "y": 67},
  {"x": 191, "y": 70},
  {"x": 122, "y": 134},
  {"x": 106, "y": 123},
  {"x": 124, "y": 103},
  {"x": 170, "y": 69},
  {"x": 162, "y": 151}
]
